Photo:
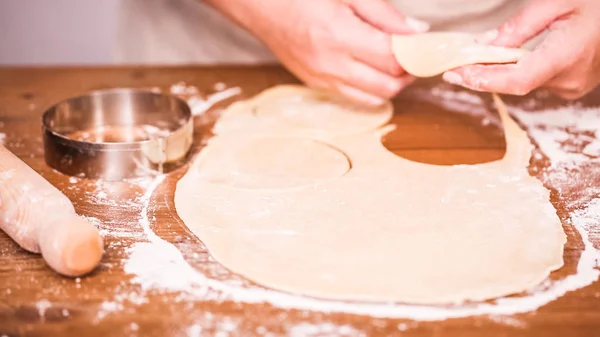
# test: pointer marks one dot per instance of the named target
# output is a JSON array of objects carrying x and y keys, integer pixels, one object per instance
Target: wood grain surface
[{"x": 34, "y": 301}]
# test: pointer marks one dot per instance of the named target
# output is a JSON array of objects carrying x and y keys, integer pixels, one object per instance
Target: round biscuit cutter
[{"x": 118, "y": 134}]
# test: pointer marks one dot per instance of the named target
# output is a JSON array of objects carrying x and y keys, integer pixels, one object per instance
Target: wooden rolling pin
[{"x": 43, "y": 220}]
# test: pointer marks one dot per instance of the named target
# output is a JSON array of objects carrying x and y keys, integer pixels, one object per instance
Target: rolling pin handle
[
  {"x": 71, "y": 245},
  {"x": 43, "y": 220}
]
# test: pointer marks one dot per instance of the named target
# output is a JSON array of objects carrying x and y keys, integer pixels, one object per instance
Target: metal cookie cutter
[{"x": 117, "y": 134}]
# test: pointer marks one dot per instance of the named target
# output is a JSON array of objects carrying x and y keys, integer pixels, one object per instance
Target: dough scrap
[
  {"x": 431, "y": 54},
  {"x": 387, "y": 230}
]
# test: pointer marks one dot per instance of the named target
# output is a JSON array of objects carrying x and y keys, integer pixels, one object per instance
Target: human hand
[
  {"x": 566, "y": 63},
  {"x": 338, "y": 45}
]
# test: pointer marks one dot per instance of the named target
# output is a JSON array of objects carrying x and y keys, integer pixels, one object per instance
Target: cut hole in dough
[
  {"x": 449, "y": 138},
  {"x": 431, "y": 54},
  {"x": 270, "y": 163}
]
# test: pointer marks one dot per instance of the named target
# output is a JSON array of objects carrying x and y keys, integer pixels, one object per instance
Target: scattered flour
[
  {"x": 157, "y": 265},
  {"x": 567, "y": 135},
  {"x": 323, "y": 329},
  {"x": 593, "y": 148},
  {"x": 507, "y": 320},
  {"x": 108, "y": 307},
  {"x": 200, "y": 103},
  {"x": 42, "y": 306},
  {"x": 194, "y": 330}
]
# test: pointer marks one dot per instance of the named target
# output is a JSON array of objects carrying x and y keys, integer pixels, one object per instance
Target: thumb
[
  {"x": 384, "y": 16},
  {"x": 530, "y": 22},
  {"x": 531, "y": 72}
]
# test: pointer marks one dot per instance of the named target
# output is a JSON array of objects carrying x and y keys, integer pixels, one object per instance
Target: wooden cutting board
[{"x": 34, "y": 301}]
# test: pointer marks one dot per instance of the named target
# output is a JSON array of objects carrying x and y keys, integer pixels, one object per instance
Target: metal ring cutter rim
[{"x": 105, "y": 146}]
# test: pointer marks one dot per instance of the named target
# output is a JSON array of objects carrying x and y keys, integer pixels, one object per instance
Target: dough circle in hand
[
  {"x": 431, "y": 54},
  {"x": 295, "y": 109},
  {"x": 270, "y": 162}
]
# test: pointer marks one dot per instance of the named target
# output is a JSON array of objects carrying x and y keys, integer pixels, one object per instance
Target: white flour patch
[
  {"x": 108, "y": 307},
  {"x": 323, "y": 329},
  {"x": 158, "y": 266},
  {"x": 199, "y": 102},
  {"x": 567, "y": 135},
  {"x": 102, "y": 194},
  {"x": 593, "y": 148},
  {"x": 42, "y": 306},
  {"x": 507, "y": 320},
  {"x": 194, "y": 330},
  {"x": 208, "y": 324},
  {"x": 111, "y": 229}
]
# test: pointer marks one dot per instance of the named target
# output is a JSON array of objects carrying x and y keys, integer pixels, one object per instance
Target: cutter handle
[{"x": 41, "y": 219}]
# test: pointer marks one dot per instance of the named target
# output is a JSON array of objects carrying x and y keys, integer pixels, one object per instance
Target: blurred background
[{"x": 55, "y": 32}]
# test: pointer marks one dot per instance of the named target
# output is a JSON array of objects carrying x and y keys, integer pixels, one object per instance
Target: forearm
[{"x": 252, "y": 15}]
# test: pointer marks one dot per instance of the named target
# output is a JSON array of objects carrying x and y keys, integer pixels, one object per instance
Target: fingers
[
  {"x": 369, "y": 86},
  {"x": 563, "y": 63},
  {"x": 365, "y": 86},
  {"x": 358, "y": 95},
  {"x": 519, "y": 79},
  {"x": 382, "y": 15},
  {"x": 530, "y": 22},
  {"x": 373, "y": 47},
  {"x": 568, "y": 95},
  {"x": 346, "y": 90},
  {"x": 371, "y": 41},
  {"x": 534, "y": 70},
  {"x": 512, "y": 79},
  {"x": 367, "y": 79},
  {"x": 377, "y": 52},
  {"x": 367, "y": 97},
  {"x": 572, "y": 85}
]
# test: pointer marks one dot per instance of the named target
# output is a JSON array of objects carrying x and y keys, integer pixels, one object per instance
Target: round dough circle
[
  {"x": 270, "y": 162},
  {"x": 298, "y": 110},
  {"x": 431, "y": 54},
  {"x": 319, "y": 111}
]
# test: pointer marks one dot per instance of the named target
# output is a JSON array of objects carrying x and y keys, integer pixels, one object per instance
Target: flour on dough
[
  {"x": 252, "y": 165},
  {"x": 431, "y": 54},
  {"x": 383, "y": 229},
  {"x": 296, "y": 109}
]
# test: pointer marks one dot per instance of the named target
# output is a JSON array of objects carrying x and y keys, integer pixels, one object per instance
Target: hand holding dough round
[{"x": 431, "y": 54}]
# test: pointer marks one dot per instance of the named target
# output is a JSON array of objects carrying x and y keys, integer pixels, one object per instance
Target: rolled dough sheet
[
  {"x": 379, "y": 228},
  {"x": 431, "y": 54}
]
